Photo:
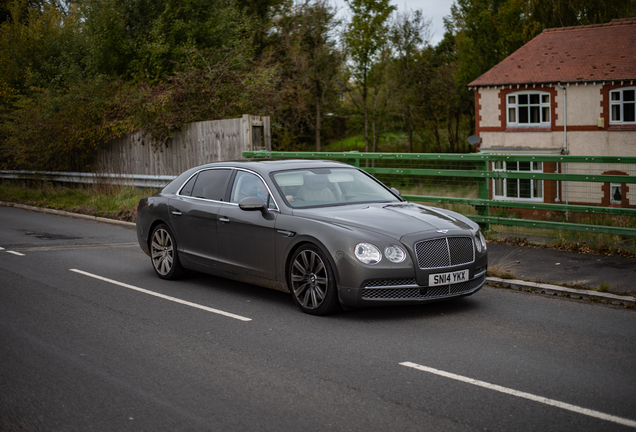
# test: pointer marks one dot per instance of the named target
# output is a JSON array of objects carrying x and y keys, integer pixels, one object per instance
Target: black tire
[
  {"x": 312, "y": 283},
  {"x": 163, "y": 253}
]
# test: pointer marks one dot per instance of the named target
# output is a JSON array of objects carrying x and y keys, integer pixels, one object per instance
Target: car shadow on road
[
  {"x": 277, "y": 299},
  {"x": 408, "y": 312}
]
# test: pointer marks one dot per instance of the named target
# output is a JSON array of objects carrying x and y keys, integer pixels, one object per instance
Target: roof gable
[{"x": 600, "y": 52}]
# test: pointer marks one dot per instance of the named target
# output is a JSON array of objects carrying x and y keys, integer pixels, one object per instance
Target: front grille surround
[
  {"x": 423, "y": 293},
  {"x": 444, "y": 252}
]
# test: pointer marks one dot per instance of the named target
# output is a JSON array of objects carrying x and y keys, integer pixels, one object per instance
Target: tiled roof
[{"x": 600, "y": 52}]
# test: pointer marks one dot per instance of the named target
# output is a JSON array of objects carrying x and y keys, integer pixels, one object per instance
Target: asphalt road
[{"x": 132, "y": 352}]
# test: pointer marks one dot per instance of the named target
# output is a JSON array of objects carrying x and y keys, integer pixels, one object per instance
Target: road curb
[
  {"x": 563, "y": 291},
  {"x": 65, "y": 213}
]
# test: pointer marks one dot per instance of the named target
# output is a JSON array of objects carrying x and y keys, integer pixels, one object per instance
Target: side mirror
[
  {"x": 252, "y": 204},
  {"x": 395, "y": 191}
]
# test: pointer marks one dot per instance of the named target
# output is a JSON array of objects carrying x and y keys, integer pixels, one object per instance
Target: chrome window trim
[
  {"x": 264, "y": 182},
  {"x": 197, "y": 198},
  {"x": 277, "y": 209}
]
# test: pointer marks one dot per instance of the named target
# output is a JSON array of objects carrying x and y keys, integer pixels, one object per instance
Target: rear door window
[{"x": 210, "y": 184}]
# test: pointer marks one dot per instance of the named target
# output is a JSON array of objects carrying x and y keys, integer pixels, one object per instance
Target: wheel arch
[
  {"x": 154, "y": 225},
  {"x": 314, "y": 242}
]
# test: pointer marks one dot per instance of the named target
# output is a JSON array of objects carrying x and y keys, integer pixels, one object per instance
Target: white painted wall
[
  {"x": 489, "y": 111},
  {"x": 536, "y": 140},
  {"x": 584, "y": 104}
]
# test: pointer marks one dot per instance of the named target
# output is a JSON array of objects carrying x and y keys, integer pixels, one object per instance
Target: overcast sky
[{"x": 436, "y": 10}]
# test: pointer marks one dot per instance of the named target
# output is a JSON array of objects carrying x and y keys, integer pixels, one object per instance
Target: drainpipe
[{"x": 565, "y": 140}]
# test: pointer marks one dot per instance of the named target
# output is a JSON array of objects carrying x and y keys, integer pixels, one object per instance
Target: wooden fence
[{"x": 195, "y": 144}]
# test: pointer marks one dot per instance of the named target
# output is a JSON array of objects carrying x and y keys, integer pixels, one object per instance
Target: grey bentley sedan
[{"x": 329, "y": 233}]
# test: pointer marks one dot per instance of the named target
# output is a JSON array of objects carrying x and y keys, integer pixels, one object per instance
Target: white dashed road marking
[
  {"x": 524, "y": 395},
  {"x": 15, "y": 253},
  {"x": 165, "y": 297}
]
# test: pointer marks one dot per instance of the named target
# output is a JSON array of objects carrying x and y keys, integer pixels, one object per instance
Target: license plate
[{"x": 448, "y": 278}]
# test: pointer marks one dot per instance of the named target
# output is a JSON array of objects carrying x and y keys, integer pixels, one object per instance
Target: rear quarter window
[{"x": 208, "y": 184}]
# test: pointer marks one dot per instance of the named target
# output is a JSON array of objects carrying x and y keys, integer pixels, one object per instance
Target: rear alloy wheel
[
  {"x": 312, "y": 283},
  {"x": 163, "y": 252}
]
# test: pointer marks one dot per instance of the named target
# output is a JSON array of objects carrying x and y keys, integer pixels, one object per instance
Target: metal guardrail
[
  {"x": 480, "y": 171},
  {"x": 137, "y": 180}
]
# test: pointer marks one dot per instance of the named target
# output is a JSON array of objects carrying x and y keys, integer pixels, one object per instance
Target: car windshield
[{"x": 329, "y": 186}]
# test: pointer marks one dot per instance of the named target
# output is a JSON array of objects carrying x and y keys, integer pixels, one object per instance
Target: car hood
[{"x": 395, "y": 220}]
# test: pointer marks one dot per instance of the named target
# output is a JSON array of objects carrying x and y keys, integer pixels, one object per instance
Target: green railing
[{"x": 476, "y": 166}]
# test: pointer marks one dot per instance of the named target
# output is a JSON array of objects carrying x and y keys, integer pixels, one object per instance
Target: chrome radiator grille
[{"x": 444, "y": 252}]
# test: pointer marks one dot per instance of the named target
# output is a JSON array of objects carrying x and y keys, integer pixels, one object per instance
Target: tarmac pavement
[
  {"x": 564, "y": 273},
  {"x": 560, "y": 267}
]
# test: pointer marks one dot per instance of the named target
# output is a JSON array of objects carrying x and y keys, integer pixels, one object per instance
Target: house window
[
  {"x": 518, "y": 189},
  {"x": 622, "y": 106},
  {"x": 616, "y": 195},
  {"x": 528, "y": 109}
]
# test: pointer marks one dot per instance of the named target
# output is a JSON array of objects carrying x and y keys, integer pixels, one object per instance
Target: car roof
[
  {"x": 267, "y": 166},
  {"x": 262, "y": 167}
]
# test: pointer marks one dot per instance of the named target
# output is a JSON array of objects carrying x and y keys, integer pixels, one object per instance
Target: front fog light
[
  {"x": 367, "y": 253},
  {"x": 394, "y": 253}
]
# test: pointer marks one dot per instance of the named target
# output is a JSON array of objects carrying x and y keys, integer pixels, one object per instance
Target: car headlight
[
  {"x": 394, "y": 253},
  {"x": 480, "y": 241},
  {"x": 368, "y": 253}
]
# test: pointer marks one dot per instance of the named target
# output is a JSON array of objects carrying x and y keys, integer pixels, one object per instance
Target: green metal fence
[{"x": 581, "y": 184}]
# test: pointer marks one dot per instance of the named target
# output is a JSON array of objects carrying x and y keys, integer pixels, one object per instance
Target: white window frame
[
  {"x": 515, "y": 109},
  {"x": 613, "y": 188},
  {"x": 618, "y": 105},
  {"x": 502, "y": 186}
]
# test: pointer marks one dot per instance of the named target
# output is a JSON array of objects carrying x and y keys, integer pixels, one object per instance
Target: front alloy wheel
[
  {"x": 163, "y": 252},
  {"x": 312, "y": 282}
]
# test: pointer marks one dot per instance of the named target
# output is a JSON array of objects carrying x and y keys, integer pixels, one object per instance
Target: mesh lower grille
[
  {"x": 390, "y": 283},
  {"x": 416, "y": 293},
  {"x": 444, "y": 252}
]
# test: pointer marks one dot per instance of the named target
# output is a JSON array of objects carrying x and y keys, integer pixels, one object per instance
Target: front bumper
[{"x": 407, "y": 291}]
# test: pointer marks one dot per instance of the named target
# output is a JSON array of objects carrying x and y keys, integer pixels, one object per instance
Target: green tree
[
  {"x": 409, "y": 34},
  {"x": 309, "y": 62},
  {"x": 365, "y": 37},
  {"x": 263, "y": 14},
  {"x": 309, "y": 36},
  {"x": 40, "y": 47},
  {"x": 544, "y": 14},
  {"x": 146, "y": 39}
]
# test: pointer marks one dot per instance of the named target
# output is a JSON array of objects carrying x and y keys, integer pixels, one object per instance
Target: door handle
[
  {"x": 176, "y": 212},
  {"x": 224, "y": 219}
]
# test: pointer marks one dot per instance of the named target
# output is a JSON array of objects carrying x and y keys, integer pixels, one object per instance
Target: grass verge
[{"x": 114, "y": 202}]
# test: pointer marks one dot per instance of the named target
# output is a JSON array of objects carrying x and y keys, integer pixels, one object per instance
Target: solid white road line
[
  {"x": 173, "y": 299},
  {"x": 529, "y": 396},
  {"x": 15, "y": 253}
]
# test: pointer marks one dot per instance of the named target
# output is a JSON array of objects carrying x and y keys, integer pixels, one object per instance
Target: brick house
[{"x": 568, "y": 91}]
